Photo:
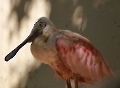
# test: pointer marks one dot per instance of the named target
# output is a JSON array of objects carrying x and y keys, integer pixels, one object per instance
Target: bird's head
[{"x": 42, "y": 28}]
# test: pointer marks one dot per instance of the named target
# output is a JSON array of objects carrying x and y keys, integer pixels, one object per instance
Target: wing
[{"x": 80, "y": 56}]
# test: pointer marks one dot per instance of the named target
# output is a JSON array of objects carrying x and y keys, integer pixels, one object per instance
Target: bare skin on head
[{"x": 69, "y": 54}]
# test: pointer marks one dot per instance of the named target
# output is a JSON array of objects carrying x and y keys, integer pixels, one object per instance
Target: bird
[{"x": 71, "y": 55}]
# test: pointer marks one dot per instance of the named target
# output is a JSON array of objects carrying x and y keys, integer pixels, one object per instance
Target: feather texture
[{"x": 81, "y": 57}]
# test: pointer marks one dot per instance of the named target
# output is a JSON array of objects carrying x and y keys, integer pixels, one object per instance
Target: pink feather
[{"x": 82, "y": 59}]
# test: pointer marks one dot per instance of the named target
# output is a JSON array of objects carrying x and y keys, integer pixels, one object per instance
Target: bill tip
[{"x": 6, "y": 59}]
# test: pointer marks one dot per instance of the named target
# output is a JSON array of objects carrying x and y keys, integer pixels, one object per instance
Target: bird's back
[{"x": 77, "y": 54}]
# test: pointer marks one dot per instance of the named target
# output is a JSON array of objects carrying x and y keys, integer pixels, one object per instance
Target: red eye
[{"x": 40, "y": 24}]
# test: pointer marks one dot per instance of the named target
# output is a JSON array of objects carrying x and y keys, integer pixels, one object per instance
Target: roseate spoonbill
[{"x": 70, "y": 55}]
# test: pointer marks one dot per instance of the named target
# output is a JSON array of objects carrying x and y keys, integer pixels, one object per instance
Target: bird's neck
[
  {"x": 48, "y": 31},
  {"x": 40, "y": 40}
]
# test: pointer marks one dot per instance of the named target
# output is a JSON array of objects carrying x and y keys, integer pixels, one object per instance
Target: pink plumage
[
  {"x": 82, "y": 59},
  {"x": 71, "y": 55}
]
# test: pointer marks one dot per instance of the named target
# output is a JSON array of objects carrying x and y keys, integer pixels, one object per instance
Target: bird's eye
[{"x": 40, "y": 24}]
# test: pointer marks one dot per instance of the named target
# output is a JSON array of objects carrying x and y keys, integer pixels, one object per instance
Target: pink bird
[{"x": 69, "y": 54}]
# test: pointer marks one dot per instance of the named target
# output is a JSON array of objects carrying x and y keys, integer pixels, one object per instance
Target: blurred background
[{"x": 98, "y": 20}]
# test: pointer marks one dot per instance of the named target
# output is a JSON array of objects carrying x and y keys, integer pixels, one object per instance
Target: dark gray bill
[{"x": 14, "y": 52}]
